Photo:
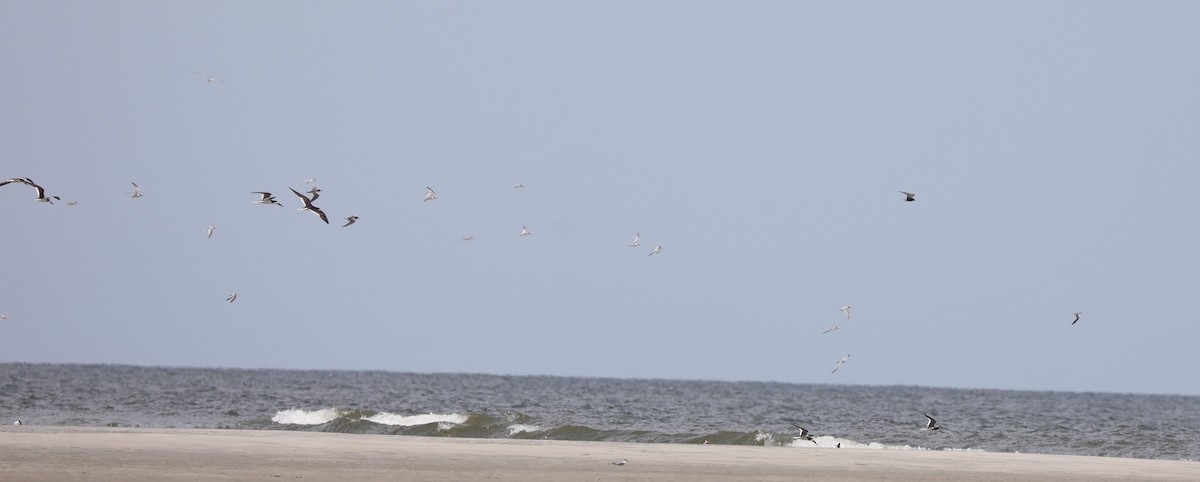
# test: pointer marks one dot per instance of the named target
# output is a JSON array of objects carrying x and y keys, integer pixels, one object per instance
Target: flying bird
[
  {"x": 656, "y": 250},
  {"x": 137, "y": 191},
  {"x": 72, "y": 203},
  {"x": 41, "y": 192},
  {"x": 839, "y": 364},
  {"x": 931, "y": 424},
  {"x": 267, "y": 198},
  {"x": 518, "y": 186},
  {"x": 621, "y": 462},
  {"x": 525, "y": 231},
  {"x": 468, "y": 238},
  {"x": 316, "y": 192},
  {"x": 832, "y": 328},
  {"x": 232, "y": 297},
  {"x": 1077, "y": 313},
  {"x": 908, "y": 196},
  {"x": 310, "y": 180},
  {"x": 804, "y": 434},
  {"x": 209, "y": 79},
  {"x": 847, "y": 310},
  {"x": 3, "y": 317},
  {"x": 308, "y": 206},
  {"x": 350, "y": 220},
  {"x": 637, "y": 240},
  {"x": 211, "y": 228},
  {"x": 429, "y": 194}
]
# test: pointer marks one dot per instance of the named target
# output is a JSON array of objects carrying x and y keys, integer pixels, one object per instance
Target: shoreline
[{"x": 43, "y": 453}]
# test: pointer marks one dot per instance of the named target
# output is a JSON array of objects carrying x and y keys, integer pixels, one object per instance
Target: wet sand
[{"x": 134, "y": 454}]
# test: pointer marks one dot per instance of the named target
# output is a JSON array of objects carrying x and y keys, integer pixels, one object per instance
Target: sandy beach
[{"x": 135, "y": 454}]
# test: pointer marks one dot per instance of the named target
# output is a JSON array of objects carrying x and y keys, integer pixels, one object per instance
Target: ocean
[{"x": 603, "y": 409}]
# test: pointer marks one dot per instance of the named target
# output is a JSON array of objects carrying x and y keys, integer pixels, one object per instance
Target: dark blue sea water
[{"x": 566, "y": 408}]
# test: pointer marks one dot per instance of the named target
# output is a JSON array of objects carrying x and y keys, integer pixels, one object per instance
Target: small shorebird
[
  {"x": 1077, "y": 313},
  {"x": 350, "y": 220},
  {"x": 804, "y": 434},
  {"x": 267, "y": 198},
  {"x": 211, "y": 228},
  {"x": 525, "y": 231},
  {"x": 908, "y": 196},
  {"x": 468, "y": 238},
  {"x": 209, "y": 79},
  {"x": 232, "y": 297},
  {"x": 430, "y": 194},
  {"x": 847, "y": 310},
  {"x": 832, "y": 328},
  {"x": 308, "y": 206},
  {"x": 637, "y": 240},
  {"x": 137, "y": 191},
  {"x": 656, "y": 250},
  {"x": 621, "y": 462},
  {"x": 839, "y": 364},
  {"x": 931, "y": 424}
]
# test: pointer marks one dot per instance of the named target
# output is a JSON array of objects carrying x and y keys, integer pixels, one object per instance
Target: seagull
[
  {"x": 41, "y": 192},
  {"x": 310, "y": 180},
  {"x": 211, "y": 228},
  {"x": 908, "y": 196},
  {"x": 267, "y": 198},
  {"x": 656, "y": 250},
  {"x": 804, "y": 434},
  {"x": 832, "y": 328},
  {"x": 315, "y": 191},
  {"x": 621, "y": 462},
  {"x": 1077, "y": 313},
  {"x": 468, "y": 238},
  {"x": 350, "y": 220},
  {"x": 308, "y": 206},
  {"x": 429, "y": 194},
  {"x": 932, "y": 424},
  {"x": 232, "y": 297},
  {"x": 637, "y": 240},
  {"x": 137, "y": 191},
  {"x": 525, "y": 231},
  {"x": 847, "y": 310},
  {"x": 518, "y": 186},
  {"x": 209, "y": 79},
  {"x": 839, "y": 364}
]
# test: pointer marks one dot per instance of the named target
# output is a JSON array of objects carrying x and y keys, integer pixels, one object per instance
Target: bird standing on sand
[{"x": 1077, "y": 313}]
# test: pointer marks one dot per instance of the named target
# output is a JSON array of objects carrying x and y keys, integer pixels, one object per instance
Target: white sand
[{"x": 74, "y": 453}]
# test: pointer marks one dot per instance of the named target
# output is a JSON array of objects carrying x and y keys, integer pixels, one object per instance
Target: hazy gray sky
[{"x": 1052, "y": 147}]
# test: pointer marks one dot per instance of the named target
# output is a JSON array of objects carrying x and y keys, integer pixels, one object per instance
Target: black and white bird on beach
[{"x": 308, "y": 206}]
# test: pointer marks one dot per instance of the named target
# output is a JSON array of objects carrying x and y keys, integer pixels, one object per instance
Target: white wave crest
[
  {"x": 517, "y": 428},
  {"x": 305, "y": 417},
  {"x": 442, "y": 419}
]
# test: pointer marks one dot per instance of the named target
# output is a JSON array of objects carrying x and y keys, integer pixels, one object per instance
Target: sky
[{"x": 1051, "y": 146}]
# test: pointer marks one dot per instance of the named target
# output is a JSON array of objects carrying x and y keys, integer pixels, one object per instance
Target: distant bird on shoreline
[
  {"x": 232, "y": 297},
  {"x": 211, "y": 228},
  {"x": 804, "y": 434},
  {"x": 621, "y": 462},
  {"x": 931, "y": 424},
  {"x": 137, "y": 191},
  {"x": 908, "y": 196},
  {"x": 839, "y": 364},
  {"x": 1077, "y": 313},
  {"x": 350, "y": 220},
  {"x": 267, "y": 198},
  {"x": 847, "y": 310},
  {"x": 308, "y": 206},
  {"x": 430, "y": 194}
]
